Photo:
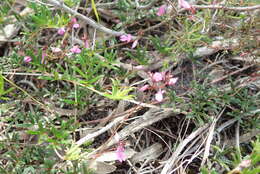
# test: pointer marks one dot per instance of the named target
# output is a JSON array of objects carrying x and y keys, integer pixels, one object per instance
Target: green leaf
[
  {"x": 119, "y": 93},
  {"x": 32, "y": 132},
  {"x": 29, "y": 170},
  {"x": 73, "y": 153},
  {"x": 95, "y": 9}
]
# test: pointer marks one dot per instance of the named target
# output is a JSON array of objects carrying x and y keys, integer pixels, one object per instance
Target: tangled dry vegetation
[{"x": 120, "y": 86}]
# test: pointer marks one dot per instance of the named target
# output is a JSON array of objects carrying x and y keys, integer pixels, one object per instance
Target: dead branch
[
  {"x": 249, "y": 8},
  {"x": 150, "y": 117},
  {"x": 171, "y": 161},
  {"x": 89, "y": 21}
]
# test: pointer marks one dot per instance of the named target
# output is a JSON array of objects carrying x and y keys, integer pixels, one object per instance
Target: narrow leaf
[{"x": 95, "y": 9}]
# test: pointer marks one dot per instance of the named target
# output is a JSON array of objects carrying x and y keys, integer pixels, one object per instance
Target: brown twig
[
  {"x": 248, "y": 8},
  {"x": 89, "y": 21},
  {"x": 230, "y": 74}
]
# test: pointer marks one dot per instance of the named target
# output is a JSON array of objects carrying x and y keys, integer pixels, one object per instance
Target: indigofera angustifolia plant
[{"x": 159, "y": 80}]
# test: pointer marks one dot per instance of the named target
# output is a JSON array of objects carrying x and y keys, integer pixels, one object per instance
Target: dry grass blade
[
  {"x": 210, "y": 138},
  {"x": 170, "y": 162},
  {"x": 89, "y": 21},
  {"x": 150, "y": 153},
  {"x": 162, "y": 90},
  {"x": 150, "y": 117},
  {"x": 102, "y": 130},
  {"x": 216, "y": 46}
]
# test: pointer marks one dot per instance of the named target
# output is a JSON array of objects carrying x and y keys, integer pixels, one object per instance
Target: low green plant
[
  {"x": 43, "y": 17},
  {"x": 118, "y": 92},
  {"x": 37, "y": 133},
  {"x": 254, "y": 167},
  {"x": 248, "y": 164}
]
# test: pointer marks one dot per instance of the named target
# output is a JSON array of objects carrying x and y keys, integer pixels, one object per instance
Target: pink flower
[
  {"x": 75, "y": 49},
  {"x": 74, "y": 20},
  {"x": 134, "y": 44},
  {"x": 144, "y": 88},
  {"x": 159, "y": 96},
  {"x": 161, "y": 11},
  {"x": 120, "y": 152},
  {"x": 75, "y": 26},
  {"x": 126, "y": 38},
  {"x": 27, "y": 59},
  {"x": 61, "y": 31},
  {"x": 55, "y": 49},
  {"x": 157, "y": 77},
  {"x": 184, "y": 4},
  {"x": 172, "y": 81}
]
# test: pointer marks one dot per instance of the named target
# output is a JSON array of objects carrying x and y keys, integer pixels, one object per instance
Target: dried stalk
[
  {"x": 249, "y": 8},
  {"x": 169, "y": 164},
  {"x": 89, "y": 21}
]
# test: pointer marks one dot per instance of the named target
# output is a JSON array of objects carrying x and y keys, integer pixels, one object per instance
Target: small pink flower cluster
[
  {"x": 75, "y": 49},
  {"x": 128, "y": 38},
  {"x": 75, "y": 25},
  {"x": 162, "y": 10},
  {"x": 120, "y": 150},
  {"x": 159, "y": 81},
  {"x": 61, "y": 31},
  {"x": 182, "y": 4},
  {"x": 55, "y": 49},
  {"x": 27, "y": 59}
]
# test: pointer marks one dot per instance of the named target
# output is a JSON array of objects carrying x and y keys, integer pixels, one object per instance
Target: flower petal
[
  {"x": 134, "y": 44},
  {"x": 184, "y": 4},
  {"x": 120, "y": 153},
  {"x": 27, "y": 59},
  {"x": 159, "y": 96},
  {"x": 144, "y": 88},
  {"x": 74, "y": 20},
  {"x": 75, "y": 49},
  {"x": 55, "y": 49},
  {"x": 126, "y": 38},
  {"x": 75, "y": 26},
  {"x": 61, "y": 31},
  {"x": 161, "y": 11},
  {"x": 172, "y": 81},
  {"x": 157, "y": 77}
]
